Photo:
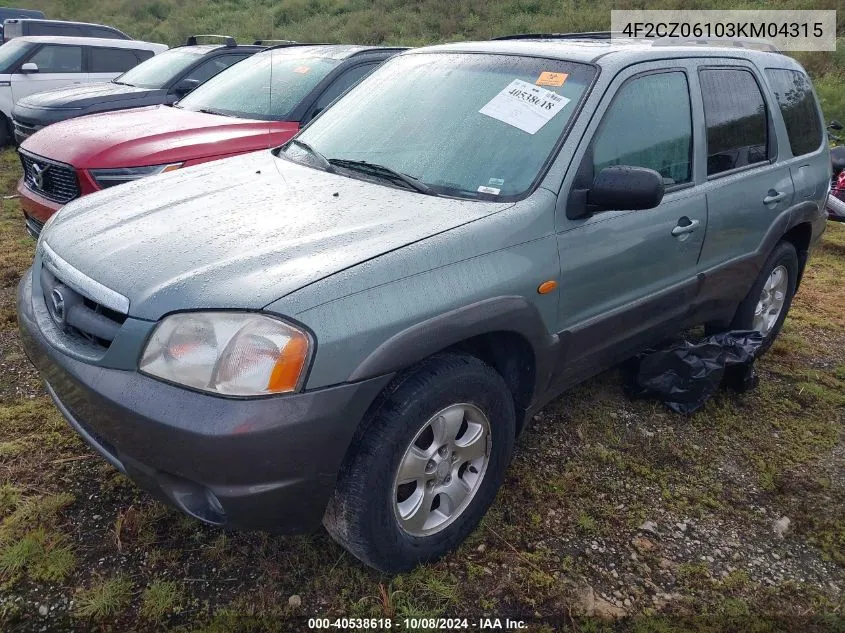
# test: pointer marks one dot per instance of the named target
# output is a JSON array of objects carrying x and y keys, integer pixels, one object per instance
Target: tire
[
  {"x": 364, "y": 514},
  {"x": 784, "y": 255},
  {"x": 5, "y": 131}
]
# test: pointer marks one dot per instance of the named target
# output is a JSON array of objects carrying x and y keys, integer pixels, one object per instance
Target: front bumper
[
  {"x": 835, "y": 208},
  {"x": 36, "y": 209},
  {"x": 268, "y": 463}
]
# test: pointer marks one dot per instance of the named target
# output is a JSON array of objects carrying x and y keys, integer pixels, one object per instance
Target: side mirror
[
  {"x": 622, "y": 187},
  {"x": 835, "y": 125},
  {"x": 185, "y": 86},
  {"x": 29, "y": 68}
]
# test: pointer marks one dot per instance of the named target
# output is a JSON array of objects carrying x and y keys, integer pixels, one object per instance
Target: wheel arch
[
  {"x": 506, "y": 332},
  {"x": 800, "y": 236}
]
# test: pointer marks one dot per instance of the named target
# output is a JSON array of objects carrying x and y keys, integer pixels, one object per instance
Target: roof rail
[
  {"x": 228, "y": 40},
  {"x": 729, "y": 42},
  {"x": 587, "y": 35},
  {"x": 274, "y": 42}
]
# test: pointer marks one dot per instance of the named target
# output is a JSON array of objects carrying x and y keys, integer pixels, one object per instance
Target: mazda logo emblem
[
  {"x": 36, "y": 176},
  {"x": 57, "y": 307}
]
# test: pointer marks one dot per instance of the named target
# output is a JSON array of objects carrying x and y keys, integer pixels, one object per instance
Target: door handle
[
  {"x": 773, "y": 197},
  {"x": 683, "y": 229}
]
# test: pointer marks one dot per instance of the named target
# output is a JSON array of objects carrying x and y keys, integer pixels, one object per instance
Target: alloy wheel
[{"x": 442, "y": 469}]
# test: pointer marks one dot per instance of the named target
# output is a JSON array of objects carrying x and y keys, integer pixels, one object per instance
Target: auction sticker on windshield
[{"x": 524, "y": 106}]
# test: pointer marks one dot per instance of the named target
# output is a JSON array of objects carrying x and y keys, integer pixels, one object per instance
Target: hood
[
  {"x": 80, "y": 97},
  {"x": 148, "y": 136},
  {"x": 241, "y": 232}
]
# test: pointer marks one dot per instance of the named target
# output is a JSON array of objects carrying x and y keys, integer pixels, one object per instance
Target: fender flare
[{"x": 512, "y": 314}]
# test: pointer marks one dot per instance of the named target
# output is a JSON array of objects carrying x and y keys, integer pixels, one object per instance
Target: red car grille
[{"x": 55, "y": 181}]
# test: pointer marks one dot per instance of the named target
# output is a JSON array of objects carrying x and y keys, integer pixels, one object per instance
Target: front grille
[
  {"x": 77, "y": 315},
  {"x": 33, "y": 226},
  {"x": 55, "y": 181},
  {"x": 24, "y": 130}
]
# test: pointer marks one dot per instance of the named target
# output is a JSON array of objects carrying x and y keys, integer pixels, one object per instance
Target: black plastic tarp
[{"x": 685, "y": 374}]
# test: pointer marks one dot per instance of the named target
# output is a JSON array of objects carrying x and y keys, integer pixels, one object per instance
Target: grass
[
  {"x": 160, "y": 599},
  {"x": 106, "y": 598}
]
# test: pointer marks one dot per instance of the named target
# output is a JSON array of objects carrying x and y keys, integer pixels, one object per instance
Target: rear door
[
  {"x": 58, "y": 65},
  {"x": 748, "y": 181},
  {"x": 629, "y": 277},
  {"x": 104, "y": 64}
]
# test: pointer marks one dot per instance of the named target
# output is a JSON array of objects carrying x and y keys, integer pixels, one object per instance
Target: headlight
[
  {"x": 106, "y": 178},
  {"x": 229, "y": 353}
]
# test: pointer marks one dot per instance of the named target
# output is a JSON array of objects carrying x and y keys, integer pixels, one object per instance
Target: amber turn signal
[{"x": 547, "y": 286}]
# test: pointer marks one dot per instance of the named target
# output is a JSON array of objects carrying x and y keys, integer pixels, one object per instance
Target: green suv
[{"x": 353, "y": 328}]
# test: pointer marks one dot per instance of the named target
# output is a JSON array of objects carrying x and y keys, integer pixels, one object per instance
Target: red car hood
[{"x": 153, "y": 136}]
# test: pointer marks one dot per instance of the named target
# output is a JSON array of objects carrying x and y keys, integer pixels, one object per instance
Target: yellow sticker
[
  {"x": 302, "y": 70},
  {"x": 551, "y": 79}
]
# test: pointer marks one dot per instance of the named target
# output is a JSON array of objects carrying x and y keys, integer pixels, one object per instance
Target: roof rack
[
  {"x": 587, "y": 35},
  {"x": 274, "y": 42},
  {"x": 748, "y": 43},
  {"x": 228, "y": 40}
]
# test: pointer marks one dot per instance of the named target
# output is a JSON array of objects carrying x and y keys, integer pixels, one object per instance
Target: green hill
[{"x": 410, "y": 22}]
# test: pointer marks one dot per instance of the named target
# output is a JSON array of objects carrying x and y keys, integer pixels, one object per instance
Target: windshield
[
  {"x": 158, "y": 71},
  {"x": 468, "y": 125},
  {"x": 267, "y": 86},
  {"x": 11, "y": 52}
]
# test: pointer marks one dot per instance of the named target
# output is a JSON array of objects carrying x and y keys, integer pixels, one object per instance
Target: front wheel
[
  {"x": 425, "y": 465},
  {"x": 766, "y": 306}
]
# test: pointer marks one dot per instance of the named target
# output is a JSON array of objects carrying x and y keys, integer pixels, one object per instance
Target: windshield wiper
[
  {"x": 381, "y": 171},
  {"x": 325, "y": 163},
  {"x": 212, "y": 111}
]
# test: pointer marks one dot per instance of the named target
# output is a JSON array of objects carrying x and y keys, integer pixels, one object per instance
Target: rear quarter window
[{"x": 798, "y": 106}]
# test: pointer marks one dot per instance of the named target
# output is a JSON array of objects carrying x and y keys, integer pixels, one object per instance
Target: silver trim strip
[{"x": 84, "y": 285}]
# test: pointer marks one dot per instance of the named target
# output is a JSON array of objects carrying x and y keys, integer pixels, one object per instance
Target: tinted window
[
  {"x": 111, "y": 60},
  {"x": 267, "y": 86},
  {"x": 101, "y": 31},
  {"x": 40, "y": 28},
  {"x": 737, "y": 125},
  {"x": 342, "y": 84},
  {"x": 798, "y": 107},
  {"x": 207, "y": 70},
  {"x": 467, "y": 125},
  {"x": 660, "y": 140},
  {"x": 53, "y": 58}
]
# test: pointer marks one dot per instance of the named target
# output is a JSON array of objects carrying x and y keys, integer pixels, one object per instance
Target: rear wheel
[
  {"x": 425, "y": 465},
  {"x": 768, "y": 302}
]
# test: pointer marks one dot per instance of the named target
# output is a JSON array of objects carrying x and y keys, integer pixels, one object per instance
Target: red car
[{"x": 257, "y": 103}]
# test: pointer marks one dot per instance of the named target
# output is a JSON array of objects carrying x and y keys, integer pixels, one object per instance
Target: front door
[
  {"x": 57, "y": 66},
  {"x": 629, "y": 277}
]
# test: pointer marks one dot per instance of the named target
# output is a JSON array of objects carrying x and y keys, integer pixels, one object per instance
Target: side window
[
  {"x": 99, "y": 31},
  {"x": 207, "y": 70},
  {"x": 798, "y": 107},
  {"x": 39, "y": 28},
  {"x": 143, "y": 55},
  {"x": 52, "y": 58},
  {"x": 649, "y": 124},
  {"x": 111, "y": 60},
  {"x": 737, "y": 124},
  {"x": 340, "y": 85}
]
